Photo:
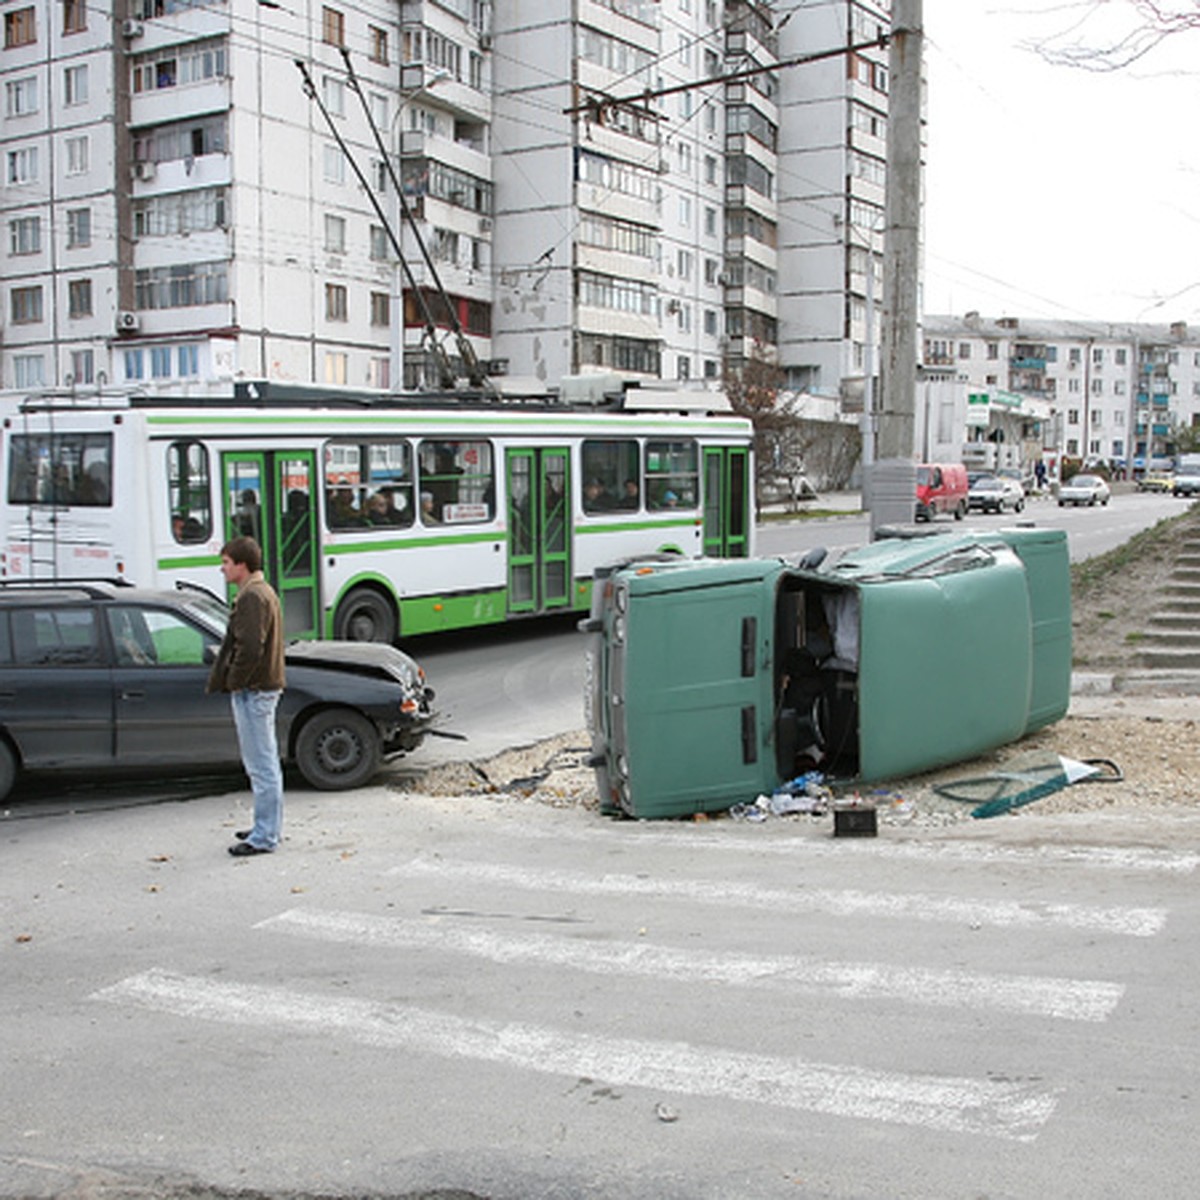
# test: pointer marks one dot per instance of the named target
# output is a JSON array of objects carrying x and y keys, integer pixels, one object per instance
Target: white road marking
[
  {"x": 957, "y": 1105},
  {"x": 910, "y": 906},
  {"x": 1117, "y": 858},
  {"x": 1062, "y": 999}
]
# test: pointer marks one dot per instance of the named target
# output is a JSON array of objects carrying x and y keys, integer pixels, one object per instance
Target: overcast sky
[{"x": 1052, "y": 191}]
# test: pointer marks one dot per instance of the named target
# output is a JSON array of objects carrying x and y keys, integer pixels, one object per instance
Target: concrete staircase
[{"x": 1171, "y": 644}]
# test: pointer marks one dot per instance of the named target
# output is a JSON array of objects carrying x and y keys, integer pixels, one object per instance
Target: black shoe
[
  {"x": 245, "y": 849},
  {"x": 243, "y": 834}
]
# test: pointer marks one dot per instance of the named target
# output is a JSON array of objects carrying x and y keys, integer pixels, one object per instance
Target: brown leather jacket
[{"x": 251, "y": 656}]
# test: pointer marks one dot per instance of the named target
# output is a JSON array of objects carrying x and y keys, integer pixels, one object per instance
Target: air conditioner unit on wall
[
  {"x": 128, "y": 322},
  {"x": 143, "y": 171},
  {"x": 132, "y": 29}
]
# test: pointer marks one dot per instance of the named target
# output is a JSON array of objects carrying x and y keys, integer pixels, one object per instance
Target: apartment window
[
  {"x": 29, "y": 371},
  {"x": 333, "y": 27},
  {"x": 1119, "y": 356},
  {"x": 185, "y": 285},
  {"x": 189, "y": 359},
  {"x": 379, "y": 109},
  {"x": 710, "y": 222},
  {"x": 335, "y": 165},
  {"x": 993, "y": 351},
  {"x": 334, "y": 92},
  {"x": 75, "y": 85},
  {"x": 710, "y": 322},
  {"x": 683, "y": 264},
  {"x": 79, "y": 297},
  {"x": 379, "y": 244},
  {"x": 335, "y": 366},
  {"x": 74, "y": 16},
  {"x": 21, "y": 96},
  {"x": 379, "y": 373},
  {"x": 710, "y": 169},
  {"x": 160, "y": 362},
  {"x": 77, "y": 155},
  {"x": 180, "y": 212},
  {"x": 83, "y": 366},
  {"x": 683, "y": 367},
  {"x": 685, "y": 211},
  {"x": 1097, "y": 355},
  {"x": 20, "y": 28},
  {"x": 25, "y": 235},
  {"x": 22, "y": 165},
  {"x": 79, "y": 227},
  {"x": 381, "y": 308},
  {"x": 335, "y": 302},
  {"x": 134, "y": 367},
  {"x": 1072, "y": 416},
  {"x": 379, "y": 45},
  {"x": 335, "y": 234},
  {"x": 1097, "y": 388},
  {"x": 964, "y": 349},
  {"x": 26, "y": 305}
]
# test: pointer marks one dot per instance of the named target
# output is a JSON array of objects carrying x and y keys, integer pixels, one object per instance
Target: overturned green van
[{"x": 713, "y": 681}]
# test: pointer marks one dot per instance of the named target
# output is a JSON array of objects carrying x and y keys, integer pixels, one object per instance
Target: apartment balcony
[{"x": 1019, "y": 362}]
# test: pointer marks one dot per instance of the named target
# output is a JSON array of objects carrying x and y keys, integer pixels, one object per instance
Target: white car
[
  {"x": 995, "y": 493},
  {"x": 1084, "y": 489}
]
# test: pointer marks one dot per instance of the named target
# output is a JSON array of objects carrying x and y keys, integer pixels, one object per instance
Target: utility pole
[{"x": 892, "y": 487}]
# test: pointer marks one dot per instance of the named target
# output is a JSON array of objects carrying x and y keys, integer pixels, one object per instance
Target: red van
[{"x": 941, "y": 488}]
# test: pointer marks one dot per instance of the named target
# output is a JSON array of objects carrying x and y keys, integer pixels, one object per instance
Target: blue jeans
[{"x": 254, "y": 717}]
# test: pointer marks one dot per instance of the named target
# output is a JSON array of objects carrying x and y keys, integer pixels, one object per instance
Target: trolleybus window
[
  {"x": 62, "y": 469},
  {"x": 368, "y": 484},
  {"x": 188, "y": 492},
  {"x": 671, "y": 475},
  {"x": 458, "y": 482},
  {"x": 611, "y": 475}
]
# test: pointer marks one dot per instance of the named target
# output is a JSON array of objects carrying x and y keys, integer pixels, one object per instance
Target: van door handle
[
  {"x": 749, "y": 734},
  {"x": 749, "y": 645}
]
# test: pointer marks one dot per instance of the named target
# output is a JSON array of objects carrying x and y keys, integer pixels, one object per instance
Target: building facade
[{"x": 1103, "y": 392}]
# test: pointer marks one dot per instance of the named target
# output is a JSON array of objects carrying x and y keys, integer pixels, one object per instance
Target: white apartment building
[
  {"x": 179, "y": 213},
  {"x": 1083, "y": 389},
  {"x": 832, "y": 175}
]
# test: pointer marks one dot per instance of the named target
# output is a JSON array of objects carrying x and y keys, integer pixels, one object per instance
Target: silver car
[{"x": 1084, "y": 489}]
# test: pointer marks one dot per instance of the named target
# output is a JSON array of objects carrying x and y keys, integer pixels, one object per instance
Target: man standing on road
[{"x": 249, "y": 667}]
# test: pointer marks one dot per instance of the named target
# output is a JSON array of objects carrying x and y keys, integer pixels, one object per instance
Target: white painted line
[
  {"x": 1062, "y": 999},
  {"x": 956, "y": 1105},
  {"x": 910, "y": 906},
  {"x": 1116, "y": 858}
]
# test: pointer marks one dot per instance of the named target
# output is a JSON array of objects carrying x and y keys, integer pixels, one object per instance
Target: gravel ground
[{"x": 1150, "y": 737}]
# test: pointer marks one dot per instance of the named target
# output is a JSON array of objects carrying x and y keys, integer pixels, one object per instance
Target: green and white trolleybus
[{"x": 378, "y": 517}]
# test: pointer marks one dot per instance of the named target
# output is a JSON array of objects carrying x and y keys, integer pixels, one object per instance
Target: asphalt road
[{"x": 519, "y": 1002}]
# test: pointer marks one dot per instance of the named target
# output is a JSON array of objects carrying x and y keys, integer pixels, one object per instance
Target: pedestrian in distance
[{"x": 249, "y": 666}]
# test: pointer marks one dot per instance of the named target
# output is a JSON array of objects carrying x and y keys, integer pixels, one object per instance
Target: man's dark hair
[{"x": 244, "y": 550}]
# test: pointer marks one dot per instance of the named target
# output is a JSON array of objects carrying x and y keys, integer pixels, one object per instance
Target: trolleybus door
[
  {"x": 539, "y": 528},
  {"x": 271, "y": 496},
  {"x": 726, "y": 501}
]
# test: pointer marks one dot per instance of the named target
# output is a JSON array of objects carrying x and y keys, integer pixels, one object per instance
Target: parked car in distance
[
  {"x": 1156, "y": 481},
  {"x": 1186, "y": 482},
  {"x": 100, "y": 679},
  {"x": 1084, "y": 489},
  {"x": 995, "y": 493}
]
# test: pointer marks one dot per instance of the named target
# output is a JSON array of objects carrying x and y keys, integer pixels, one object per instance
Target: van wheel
[{"x": 365, "y": 616}]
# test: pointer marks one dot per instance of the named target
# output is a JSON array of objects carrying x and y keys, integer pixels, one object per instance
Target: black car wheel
[
  {"x": 365, "y": 616},
  {"x": 338, "y": 749},
  {"x": 8, "y": 768}
]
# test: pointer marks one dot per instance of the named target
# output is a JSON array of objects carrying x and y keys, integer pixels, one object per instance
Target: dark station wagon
[{"x": 99, "y": 678}]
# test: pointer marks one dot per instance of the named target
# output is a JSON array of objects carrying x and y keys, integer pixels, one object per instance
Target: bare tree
[
  {"x": 1109, "y": 36},
  {"x": 790, "y": 450}
]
